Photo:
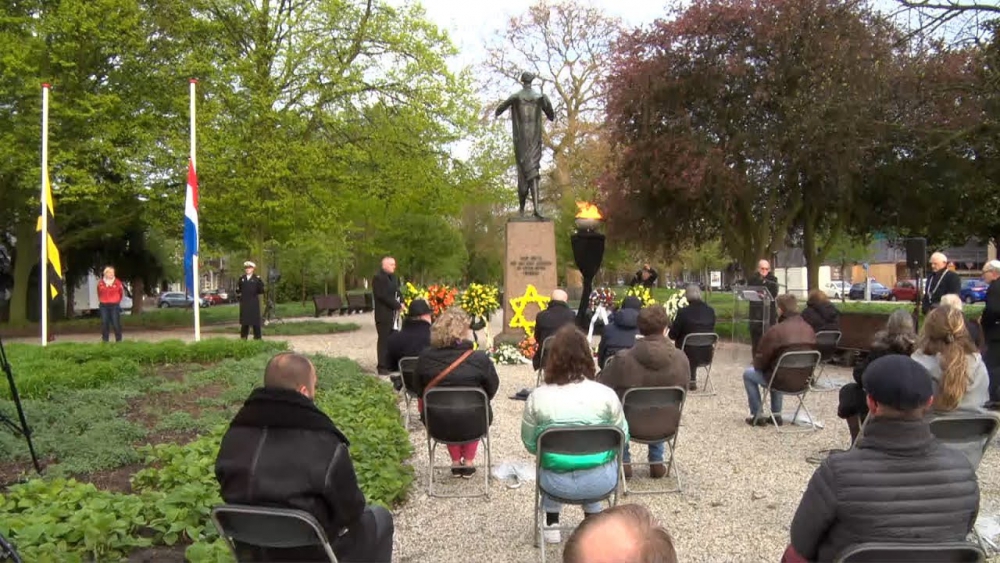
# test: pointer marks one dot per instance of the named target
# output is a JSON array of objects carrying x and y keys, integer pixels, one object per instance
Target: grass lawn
[
  {"x": 129, "y": 436},
  {"x": 297, "y": 328}
]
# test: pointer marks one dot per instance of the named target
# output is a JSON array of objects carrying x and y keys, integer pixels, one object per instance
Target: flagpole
[
  {"x": 194, "y": 259},
  {"x": 44, "y": 217}
]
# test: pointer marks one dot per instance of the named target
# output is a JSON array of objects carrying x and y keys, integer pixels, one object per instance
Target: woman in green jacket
[{"x": 571, "y": 397}]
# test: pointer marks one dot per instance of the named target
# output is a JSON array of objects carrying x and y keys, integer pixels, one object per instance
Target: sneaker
[
  {"x": 754, "y": 421},
  {"x": 551, "y": 535},
  {"x": 777, "y": 420},
  {"x": 468, "y": 472},
  {"x": 693, "y": 386},
  {"x": 627, "y": 470},
  {"x": 457, "y": 471},
  {"x": 657, "y": 470},
  {"x": 397, "y": 382}
]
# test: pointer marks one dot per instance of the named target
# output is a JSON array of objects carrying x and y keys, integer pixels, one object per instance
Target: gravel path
[{"x": 741, "y": 484}]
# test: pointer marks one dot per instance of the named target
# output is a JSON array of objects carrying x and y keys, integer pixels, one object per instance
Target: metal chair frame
[
  {"x": 670, "y": 441},
  {"x": 947, "y": 552},
  {"x": 576, "y": 447},
  {"x": 707, "y": 389},
  {"x": 540, "y": 372},
  {"x": 244, "y": 510},
  {"x": 799, "y": 395},
  {"x": 432, "y": 442},
  {"x": 824, "y": 360},
  {"x": 406, "y": 393}
]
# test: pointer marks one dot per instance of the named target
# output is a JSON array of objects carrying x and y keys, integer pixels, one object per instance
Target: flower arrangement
[
  {"x": 480, "y": 300},
  {"x": 602, "y": 296},
  {"x": 440, "y": 298},
  {"x": 641, "y": 292},
  {"x": 411, "y": 292},
  {"x": 675, "y": 303},
  {"x": 507, "y": 354},
  {"x": 528, "y": 347}
]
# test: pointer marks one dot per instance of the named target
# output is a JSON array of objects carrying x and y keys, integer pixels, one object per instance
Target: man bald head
[
  {"x": 938, "y": 261},
  {"x": 626, "y": 533},
  {"x": 292, "y": 371},
  {"x": 763, "y": 268},
  {"x": 560, "y": 295}
]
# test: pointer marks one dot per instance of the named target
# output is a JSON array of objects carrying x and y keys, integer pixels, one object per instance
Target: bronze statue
[{"x": 527, "y": 107}]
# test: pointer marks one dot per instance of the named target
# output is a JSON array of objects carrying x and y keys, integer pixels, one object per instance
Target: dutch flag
[{"x": 191, "y": 229}]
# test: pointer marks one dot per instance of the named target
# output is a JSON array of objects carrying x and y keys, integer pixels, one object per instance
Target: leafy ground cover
[
  {"x": 130, "y": 461},
  {"x": 297, "y": 328}
]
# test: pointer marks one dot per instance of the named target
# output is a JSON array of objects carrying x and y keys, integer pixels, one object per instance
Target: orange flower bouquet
[{"x": 440, "y": 298}]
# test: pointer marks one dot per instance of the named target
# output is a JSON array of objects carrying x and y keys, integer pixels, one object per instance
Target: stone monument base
[{"x": 529, "y": 259}]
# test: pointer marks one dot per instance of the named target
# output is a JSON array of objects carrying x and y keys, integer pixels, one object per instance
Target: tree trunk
[
  {"x": 809, "y": 252},
  {"x": 138, "y": 291},
  {"x": 25, "y": 260},
  {"x": 303, "y": 274}
]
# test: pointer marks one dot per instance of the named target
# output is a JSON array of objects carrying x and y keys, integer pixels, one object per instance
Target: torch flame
[{"x": 588, "y": 211}]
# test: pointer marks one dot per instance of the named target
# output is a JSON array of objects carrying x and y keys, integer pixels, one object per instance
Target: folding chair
[
  {"x": 540, "y": 373},
  {"x": 696, "y": 343},
  {"x": 456, "y": 415},
  {"x": 574, "y": 440},
  {"x": 826, "y": 342},
  {"x": 877, "y": 552},
  {"x": 654, "y": 415},
  {"x": 797, "y": 366},
  {"x": 967, "y": 432},
  {"x": 408, "y": 371},
  {"x": 258, "y": 533}
]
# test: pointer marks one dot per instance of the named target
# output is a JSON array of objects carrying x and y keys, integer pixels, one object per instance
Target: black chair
[
  {"x": 574, "y": 440},
  {"x": 968, "y": 432},
  {"x": 258, "y": 534},
  {"x": 540, "y": 373},
  {"x": 827, "y": 342},
  {"x": 408, "y": 373},
  {"x": 701, "y": 346},
  {"x": 456, "y": 415},
  {"x": 797, "y": 368},
  {"x": 654, "y": 415},
  {"x": 950, "y": 552}
]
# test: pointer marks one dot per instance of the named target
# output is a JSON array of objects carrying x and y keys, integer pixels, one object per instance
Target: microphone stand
[{"x": 20, "y": 427}]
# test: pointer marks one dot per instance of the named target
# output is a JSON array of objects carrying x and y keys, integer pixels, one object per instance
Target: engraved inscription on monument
[{"x": 531, "y": 265}]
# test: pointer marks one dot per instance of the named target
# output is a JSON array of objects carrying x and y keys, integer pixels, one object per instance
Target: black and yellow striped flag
[{"x": 55, "y": 273}]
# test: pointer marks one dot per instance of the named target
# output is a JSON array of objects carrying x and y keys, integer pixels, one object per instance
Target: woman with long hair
[{"x": 957, "y": 369}]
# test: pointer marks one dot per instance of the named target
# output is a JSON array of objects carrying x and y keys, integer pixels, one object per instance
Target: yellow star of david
[{"x": 518, "y": 304}]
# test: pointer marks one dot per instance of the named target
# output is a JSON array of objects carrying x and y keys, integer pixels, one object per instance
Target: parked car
[
  {"x": 879, "y": 291},
  {"x": 905, "y": 290},
  {"x": 215, "y": 296},
  {"x": 973, "y": 291},
  {"x": 177, "y": 299},
  {"x": 836, "y": 289}
]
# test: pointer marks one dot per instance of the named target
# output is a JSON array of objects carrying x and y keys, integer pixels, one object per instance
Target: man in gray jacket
[{"x": 898, "y": 483}]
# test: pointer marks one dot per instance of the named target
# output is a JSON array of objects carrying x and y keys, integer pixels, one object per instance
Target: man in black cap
[
  {"x": 898, "y": 483},
  {"x": 412, "y": 338}
]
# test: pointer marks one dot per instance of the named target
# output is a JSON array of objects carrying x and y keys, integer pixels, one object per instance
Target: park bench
[
  {"x": 356, "y": 303},
  {"x": 328, "y": 303}
]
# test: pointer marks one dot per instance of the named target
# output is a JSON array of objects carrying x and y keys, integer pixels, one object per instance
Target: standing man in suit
[
  {"x": 990, "y": 321},
  {"x": 942, "y": 281},
  {"x": 765, "y": 278},
  {"x": 385, "y": 287},
  {"x": 248, "y": 291}
]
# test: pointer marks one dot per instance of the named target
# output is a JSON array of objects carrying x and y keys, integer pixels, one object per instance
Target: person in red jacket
[{"x": 110, "y": 292}]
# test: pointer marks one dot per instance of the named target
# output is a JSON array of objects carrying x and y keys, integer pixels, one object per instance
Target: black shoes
[
  {"x": 693, "y": 386},
  {"x": 764, "y": 420}
]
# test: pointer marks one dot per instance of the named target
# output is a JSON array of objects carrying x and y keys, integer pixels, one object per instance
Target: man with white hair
[
  {"x": 990, "y": 321},
  {"x": 551, "y": 320},
  {"x": 697, "y": 317},
  {"x": 386, "y": 305},
  {"x": 765, "y": 278},
  {"x": 942, "y": 281}
]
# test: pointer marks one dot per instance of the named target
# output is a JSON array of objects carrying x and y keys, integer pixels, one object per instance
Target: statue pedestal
[{"x": 530, "y": 259}]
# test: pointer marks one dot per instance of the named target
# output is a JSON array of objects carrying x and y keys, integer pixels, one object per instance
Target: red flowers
[{"x": 440, "y": 298}]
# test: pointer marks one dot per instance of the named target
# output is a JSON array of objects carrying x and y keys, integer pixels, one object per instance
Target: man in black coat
[
  {"x": 385, "y": 287},
  {"x": 645, "y": 277},
  {"x": 550, "y": 320},
  {"x": 248, "y": 290},
  {"x": 765, "y": 278},
  {"x": 898, "y": 484},
  {"x": 620, "y": 332},
  {"x": 990, "y": 322},
  {"x": 412, "y": 338},
  {"x": 697, "y": 317},
  {"x": 282, "y": 451},
  {"x": 941, "y": 282}
]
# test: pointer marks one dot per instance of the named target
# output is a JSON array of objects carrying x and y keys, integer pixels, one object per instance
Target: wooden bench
[
  {"x": 328, "y": 303},
  {"x": 355, "y": 303}
]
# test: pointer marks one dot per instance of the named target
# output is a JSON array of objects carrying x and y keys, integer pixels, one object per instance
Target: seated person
[
  {"x": 549, "y": 321},
  {"x": 948, "y": 354},
  {"x": 697, "y": 317},
  {"x": 789, "y": 335},
  {"x": 652, "y": 362},
  {"x": 899, "y": 484},
  {"x": 898, "y": 337},
  {"x": 620, "y": 332},
  {"x": 452, "y": 350},
  {"x": 570, "y": 397},
  {"x": 820, "y": 313},
  {"x": 281, "y": 450},
  {"x": 627, "y": 532},
  {"x": 975, "y": 331},
  {"x": 411, "y": 339}
]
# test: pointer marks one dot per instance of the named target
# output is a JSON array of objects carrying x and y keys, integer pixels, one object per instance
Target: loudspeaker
[{"x": 916, "y": 252}]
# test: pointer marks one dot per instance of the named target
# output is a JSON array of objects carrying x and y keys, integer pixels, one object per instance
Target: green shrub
[{"x": 295, "y": 329}]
